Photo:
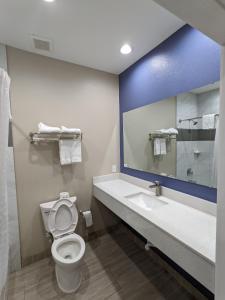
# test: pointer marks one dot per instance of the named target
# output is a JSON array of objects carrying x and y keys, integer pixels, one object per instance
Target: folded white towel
[
  {"x": 157, "y": 150},
  {"x": 65, "y": 152},
  {"x": 160, "y": 146},
  {"x": 76, "y": 152},
  {"x": 70, "y": 151},
  {"x": 208, "y": 121},
  {"x": 163, "y": 146},
  {"x": 43, "y": 128},
  {"x": 70, "y": 130}
]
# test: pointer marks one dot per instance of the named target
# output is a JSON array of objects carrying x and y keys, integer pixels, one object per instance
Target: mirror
[{"x": 175, "y": 137}]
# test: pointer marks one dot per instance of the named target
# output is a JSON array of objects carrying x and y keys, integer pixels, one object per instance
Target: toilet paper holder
[{"x": 87, "y": 217}]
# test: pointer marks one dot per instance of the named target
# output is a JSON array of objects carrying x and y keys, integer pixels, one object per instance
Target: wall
[
  {"x": 3, "y": 58},
  {"x": 186, "y": 108},
  {"x": 186, "y": 60},
  {"x": 138, "y": 150},
  {"x": 220, "y": 236},
  {"x": 14, "y": 241},
  {"x": 57, "y": 93}
]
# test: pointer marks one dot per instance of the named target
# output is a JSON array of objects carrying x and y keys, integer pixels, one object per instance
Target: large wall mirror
[{"x": 175, "y": 137}]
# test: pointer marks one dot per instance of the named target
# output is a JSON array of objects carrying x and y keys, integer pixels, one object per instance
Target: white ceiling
[
  {"x": 88, "y": 32},
  {"x": 206, "y": 15},
  {"x": 206, "y": 88}
]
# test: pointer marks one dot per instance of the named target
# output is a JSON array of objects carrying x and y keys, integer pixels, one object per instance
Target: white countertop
[{"x": 194, "y": 228}]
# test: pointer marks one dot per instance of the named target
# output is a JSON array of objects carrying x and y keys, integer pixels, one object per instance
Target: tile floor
[{"x": 114, "y": 268}]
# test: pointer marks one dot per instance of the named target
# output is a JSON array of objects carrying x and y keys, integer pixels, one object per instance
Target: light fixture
[
  {"x": 125, "y": 49},
  {"x": 49, "y": 0}
]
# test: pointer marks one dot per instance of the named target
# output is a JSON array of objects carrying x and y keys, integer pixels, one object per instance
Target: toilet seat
[
  {"x": 63, "y": 218},
  {"x": 71, "y": 245}
]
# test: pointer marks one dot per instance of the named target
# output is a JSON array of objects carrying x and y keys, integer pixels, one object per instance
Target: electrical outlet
[{"x": 114, "y": 169}]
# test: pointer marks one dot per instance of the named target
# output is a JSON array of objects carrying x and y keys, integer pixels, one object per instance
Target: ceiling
[
  {"x": 206, "y": 88},
  {"x": 206, "y": 15},
  {"x": 88, "y": 32}
]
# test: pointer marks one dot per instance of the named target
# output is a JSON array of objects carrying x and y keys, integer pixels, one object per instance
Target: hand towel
[
  {"x": 65, "y": 151},
  {"x": 157, "y": 150},
  {"x": 76, "y": 152},
  {"x": 70, "y": 130},
  {"x": 208, "y": 121},
  {"x": 70, "y": 151},
  {"x": 43, "y": 128},
  {"x": 159, "y": 146},
  {"x": 163, "y": 146}
]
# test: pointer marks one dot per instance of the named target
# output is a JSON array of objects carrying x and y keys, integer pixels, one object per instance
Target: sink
[{"x": 146, "y": 201}]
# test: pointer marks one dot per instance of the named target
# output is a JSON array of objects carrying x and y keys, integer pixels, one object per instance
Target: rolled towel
[
  {"x": 43, "y": 128},
  {"x": 169, "y": 131},
  {"x": 173, "y": 131},
  {"x": 70, "y": 130}
]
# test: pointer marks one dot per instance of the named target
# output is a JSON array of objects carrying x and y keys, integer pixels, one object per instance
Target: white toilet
[{"x": 60, "y": 219}]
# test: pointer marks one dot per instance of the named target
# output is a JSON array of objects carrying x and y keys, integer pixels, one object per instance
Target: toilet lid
[{"x": 63, "y": 218}]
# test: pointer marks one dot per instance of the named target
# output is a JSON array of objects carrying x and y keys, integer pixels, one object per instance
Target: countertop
[{"x": 192, "y": 227}]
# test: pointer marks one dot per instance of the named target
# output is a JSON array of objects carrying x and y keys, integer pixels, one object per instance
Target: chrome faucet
[{"x": 157, "y": 187}]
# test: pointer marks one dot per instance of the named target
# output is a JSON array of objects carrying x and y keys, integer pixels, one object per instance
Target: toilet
[{"x": 60, "y": 219}]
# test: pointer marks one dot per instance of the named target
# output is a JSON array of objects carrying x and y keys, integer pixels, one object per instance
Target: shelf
[
  {"x": 167, "y": 136},
  {"x": 36, "y": 137}
]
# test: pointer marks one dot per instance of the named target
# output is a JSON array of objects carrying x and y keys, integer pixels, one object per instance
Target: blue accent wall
[{"x": 186, "y": 60}]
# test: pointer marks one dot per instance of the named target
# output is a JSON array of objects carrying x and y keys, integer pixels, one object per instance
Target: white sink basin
[{"x": 145, "y": 201}]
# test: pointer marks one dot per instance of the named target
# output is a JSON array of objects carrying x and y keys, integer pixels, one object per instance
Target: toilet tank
[{"x": 46, "y": 207}]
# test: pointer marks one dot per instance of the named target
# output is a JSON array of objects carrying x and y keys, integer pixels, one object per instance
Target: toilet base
[{"x": 68, "y": 281}]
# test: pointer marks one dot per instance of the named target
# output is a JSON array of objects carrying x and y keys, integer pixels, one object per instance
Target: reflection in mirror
[{"x": 175, "y": 137}]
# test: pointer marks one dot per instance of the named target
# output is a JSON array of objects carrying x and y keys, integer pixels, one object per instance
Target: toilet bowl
[
  {"x": 68, "y": 253},
  {"x": 60, "y": 219}
]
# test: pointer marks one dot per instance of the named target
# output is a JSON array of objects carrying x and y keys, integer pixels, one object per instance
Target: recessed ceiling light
[
  {"x": 49, "y": 0},
  {"x": 125, "y": 49}
]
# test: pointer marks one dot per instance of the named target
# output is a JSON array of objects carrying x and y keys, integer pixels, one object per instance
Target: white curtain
[
  {"x": 4, "y": 128},
  {"x": 215, "y": 156}
]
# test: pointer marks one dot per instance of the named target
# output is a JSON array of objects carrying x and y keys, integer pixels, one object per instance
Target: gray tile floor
[{"x": 114, "y": 268}]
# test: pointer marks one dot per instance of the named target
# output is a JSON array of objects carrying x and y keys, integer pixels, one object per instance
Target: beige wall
[
  {"x": 138, "y": 150},
  {"x": 56, "y": 93}
]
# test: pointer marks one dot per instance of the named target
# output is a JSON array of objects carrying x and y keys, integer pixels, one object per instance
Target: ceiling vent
[
  {"x": 221, "y": 3},
  {"x": 41, "y": 44}
]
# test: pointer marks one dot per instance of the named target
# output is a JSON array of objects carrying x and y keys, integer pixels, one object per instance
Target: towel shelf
[
  {"x": 167, "y": 136},
  {"x": 36, "y": 137}
]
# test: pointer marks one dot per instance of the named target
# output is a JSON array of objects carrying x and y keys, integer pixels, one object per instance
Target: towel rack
[
  {"x": 36, "y": 137},
  {"x": 167, "y": 136},
  {"x": 195, "y": 118}
]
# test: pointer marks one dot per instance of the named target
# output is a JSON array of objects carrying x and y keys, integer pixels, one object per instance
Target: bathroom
[{"x": 112, "y": 149}]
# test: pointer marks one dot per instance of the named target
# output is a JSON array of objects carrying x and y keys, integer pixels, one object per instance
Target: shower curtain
[
  {"x": 215, "y": 156},
  {"x": 4, "y": 128}
]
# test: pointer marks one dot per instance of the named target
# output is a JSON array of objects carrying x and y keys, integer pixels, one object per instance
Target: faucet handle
[
  {"x": 157, "y": 187},
  {"x": 156, "y": 183}
]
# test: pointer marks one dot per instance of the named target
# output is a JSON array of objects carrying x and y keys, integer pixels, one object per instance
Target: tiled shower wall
[
  {"x": 201, "y": 164},
  {"x": 199, "y": 156},
  {"x": 14, "y": 241}
]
